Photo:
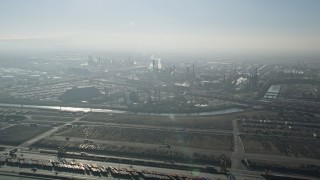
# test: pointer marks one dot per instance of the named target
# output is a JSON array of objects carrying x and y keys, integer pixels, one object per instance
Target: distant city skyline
[{"x": 164, "y": 25}]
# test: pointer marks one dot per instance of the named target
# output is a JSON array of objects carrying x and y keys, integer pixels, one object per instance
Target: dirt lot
[
  {"x": 18, "y": 134},
  {"x": 11, "y": 118},
  {"x": 53, "y": 113},
  {"x": 50, "y": 117}
]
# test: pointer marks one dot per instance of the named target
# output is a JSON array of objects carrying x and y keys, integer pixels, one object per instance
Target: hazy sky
[{"x": 161, "y": 25}]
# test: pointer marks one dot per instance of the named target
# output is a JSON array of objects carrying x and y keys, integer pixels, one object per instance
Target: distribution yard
[
  {"x": 131, "y": 150},
  {"x": 204, "y": 139},
  {"x": 195, "y": 139},
  {"x": 289, "y": 134}
]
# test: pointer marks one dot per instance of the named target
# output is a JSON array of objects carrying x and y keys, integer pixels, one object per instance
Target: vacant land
[
  {"x": 18, "y": 134},
  {"x": 11, "y": 118},
  {"x": 50, "y": 117}
]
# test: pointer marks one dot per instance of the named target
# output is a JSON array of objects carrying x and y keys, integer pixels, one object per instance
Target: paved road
[{"x": 238, "y": 153}]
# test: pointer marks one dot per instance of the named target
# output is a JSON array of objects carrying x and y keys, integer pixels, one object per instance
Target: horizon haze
[{"x": 188, "y": 26}]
